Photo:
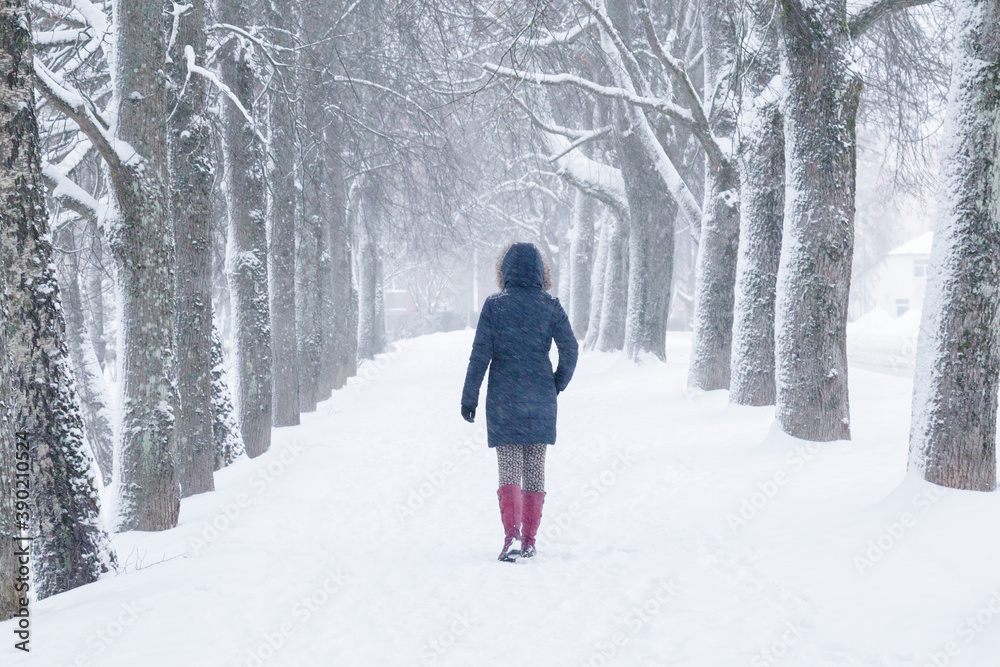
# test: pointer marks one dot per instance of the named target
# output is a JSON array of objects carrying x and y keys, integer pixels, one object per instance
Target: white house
[
  {"x": 883, "y": 337},
  {"x": 902, "y": 277}
]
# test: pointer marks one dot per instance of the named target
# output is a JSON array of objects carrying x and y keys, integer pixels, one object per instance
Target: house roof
[{"x": 918, "y": 246}]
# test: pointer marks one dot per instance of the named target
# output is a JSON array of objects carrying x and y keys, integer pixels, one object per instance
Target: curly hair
[{"x": 546, "y": 273}]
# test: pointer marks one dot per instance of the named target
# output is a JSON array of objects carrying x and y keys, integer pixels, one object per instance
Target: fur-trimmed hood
[{"x": 522, "y": 265}]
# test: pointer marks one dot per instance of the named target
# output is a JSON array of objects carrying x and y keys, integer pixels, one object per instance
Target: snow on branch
[
  {"x": 59, "y": 37},
  {"x": 73, "y": 158},
  {"x": 93, "y": 15},
  {"x": 865, "y": 18},
  {"x": 612, "y": 92},
  {"x": 193, "y": 68},
  {"x": 265, "y": 48},
  {"x": 176, "y": 12},
  {"x": 617, "y": 55},
  {"x": 565, "y": 37},
  {"x": 627, "y": 59},
  {"x": 71, "y": 194},
  {"x": 675, "y": 67},
  {"x": 582, "y": 139},
  {"x": 117, "y": 153},
  {"x": 600, "y": 181},
  {"x": 549, "y": 125}
]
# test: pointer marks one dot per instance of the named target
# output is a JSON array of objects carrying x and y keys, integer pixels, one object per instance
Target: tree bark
[
  {"x": 762, "y": 197},
  {"x": 246, "y": 254},
  {"x": 141, "y": 242},
  {"x": 614, "y": 303},
  {"x": 953, "y": 434},
  {"x": 69, "y": 548},
  {"x": 93, "y": 392},
  {"x": 715, "y": 266},
  {"x": 651, "y": 253},
  {"x": 308, "y": 295},
  {"x": 343, "y": 325},
  {"x": 283, "y": 190},
  {"x": 227, "y": 445},
  {"x": 814, "y": 274},
  {"x": 9, "y": 593},
  {"x": 191, "y": 177}
]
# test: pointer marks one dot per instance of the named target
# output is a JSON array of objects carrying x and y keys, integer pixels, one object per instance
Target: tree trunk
[
  {"x": 715, "y": 266},
  {"x": 814, "y": 274},
  {"x": 581, "y": 251},
  {"x": 342, "y": 327},
  {"x": 563, "y": 286},
  {"x": 953, "y": 434},
  {"x": 69, "y": 548},
  {"x": 597, "y": 288},
  {"x": 327, "y": 334},
  {"x": 227, "y": 445},
  {"x": 191, "y": 209},
  {"x": 354, "y": 317},
  {"x": 94, "y": 276},
  {"x": 246, "y": 261},
  {"x": 142, "y": 245},
  {"x": 651, "y": 253},
  {"x": 614, "y": 303},
  {"x": 315, "y": 282},
  {"x": 282, "y": 18},
  {"x": 762, "y": 197},
  {"x": 371, "y": 332},
  {"x": 308, "y": 295},
  {"x": 93, "y": 392}
]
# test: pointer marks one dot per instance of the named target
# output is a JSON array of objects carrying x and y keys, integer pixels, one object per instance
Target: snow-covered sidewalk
[{"x": 678, "y": 530}]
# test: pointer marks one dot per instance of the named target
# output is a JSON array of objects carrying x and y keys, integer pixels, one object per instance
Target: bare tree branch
[
  {"x": 860, "y": 22},
  {"x": 700, "y": 126},
  {"x": 652, "y": 103}
]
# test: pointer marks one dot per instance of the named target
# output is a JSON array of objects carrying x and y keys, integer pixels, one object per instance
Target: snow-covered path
[{"x": 678, "y": 530}]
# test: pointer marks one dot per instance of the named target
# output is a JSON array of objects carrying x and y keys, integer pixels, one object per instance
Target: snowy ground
[{"x": 678, "y": 530}]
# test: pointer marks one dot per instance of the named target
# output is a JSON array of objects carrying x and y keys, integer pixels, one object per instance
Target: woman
[{"x": 514, "y": 336}]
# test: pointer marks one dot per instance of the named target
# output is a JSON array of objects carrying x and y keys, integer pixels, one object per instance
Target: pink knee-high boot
[
  {"x": 510, "y": 514},
  {"x": 530, "y": 519}
]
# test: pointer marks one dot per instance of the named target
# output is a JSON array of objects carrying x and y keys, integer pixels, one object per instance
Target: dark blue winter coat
[{"x": 513, "y": 339}]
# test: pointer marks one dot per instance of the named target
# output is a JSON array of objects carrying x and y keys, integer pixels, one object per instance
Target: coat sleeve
[
  {"x": 565, "y": 339},
  {"x": 479, "y": 361}
]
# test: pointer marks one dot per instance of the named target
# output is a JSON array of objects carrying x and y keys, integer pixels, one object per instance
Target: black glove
[{"x": 468, "y": 414}]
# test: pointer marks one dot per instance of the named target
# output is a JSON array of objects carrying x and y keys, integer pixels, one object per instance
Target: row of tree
[
  {"x": 739, "y": 124},
  {"x": 230, "y": 170},
  {"x": 734, "y": 129},
  {"x": 245, "y": 175}
]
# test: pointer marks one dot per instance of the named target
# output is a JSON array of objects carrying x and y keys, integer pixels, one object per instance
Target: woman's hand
[{"x": 468, "y": 414}]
